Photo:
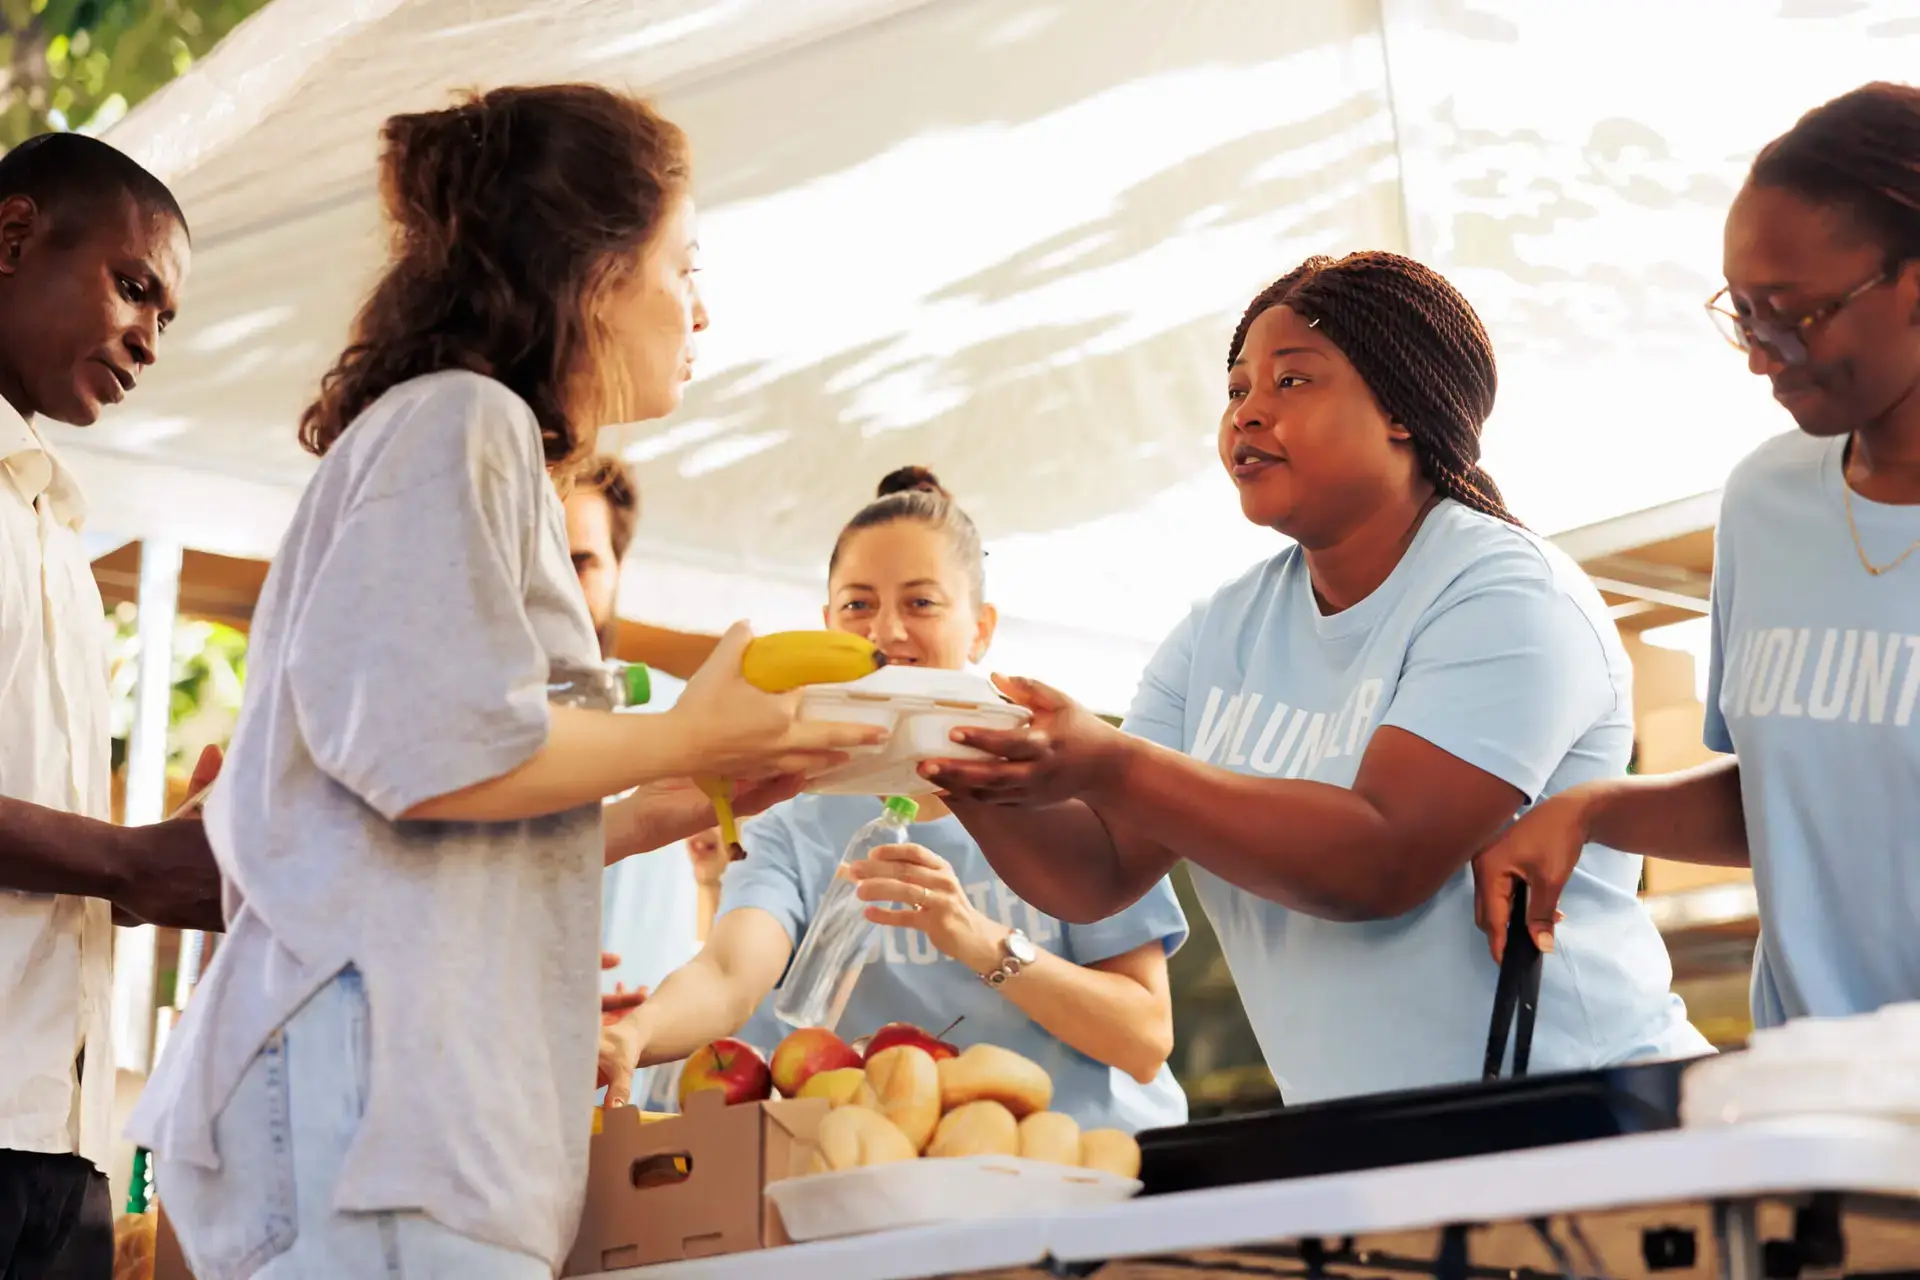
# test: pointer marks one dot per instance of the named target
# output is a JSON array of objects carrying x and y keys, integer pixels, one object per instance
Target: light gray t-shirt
[{"x": 400, "y": 652}]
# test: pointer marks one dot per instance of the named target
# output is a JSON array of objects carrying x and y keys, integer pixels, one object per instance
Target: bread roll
[
  {"x": 863, "y": 1096},
  {"x": 977, "y": 1129},
  {"x": 1051, "y": 1136},
  {"x": 906, "y": 1085},
  {"x": 1110, "y": 1151},
  {"x": 854, "y": 1137},
  {"x": 989, "y": 1073}
]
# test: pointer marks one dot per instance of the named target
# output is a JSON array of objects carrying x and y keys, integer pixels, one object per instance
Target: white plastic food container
[
  {"x": 1867, "y": 1065},
  {"x": 923, "y": 706},
  {"x": 916, "y": 1193}
]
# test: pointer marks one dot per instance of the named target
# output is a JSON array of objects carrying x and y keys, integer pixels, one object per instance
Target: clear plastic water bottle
[
  {"x": 837, "y": 942},
  {"x": 604, "y": 686}
]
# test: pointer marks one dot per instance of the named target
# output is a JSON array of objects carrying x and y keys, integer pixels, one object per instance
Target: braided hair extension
[
  {"x": 1861, "y": 153},
  {"x": 1418, "y": 346}
]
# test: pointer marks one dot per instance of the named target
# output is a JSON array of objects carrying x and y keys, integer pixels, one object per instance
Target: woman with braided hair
[
  {"x": 1329, "y": 740},
  {"x": 1815, "y": 673}
]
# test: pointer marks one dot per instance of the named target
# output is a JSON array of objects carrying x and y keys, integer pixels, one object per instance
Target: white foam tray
[
  {"x": 1867, "y": 1066},
  {"x": 922, "y": 707},
  {"x": 917, "y": 1193}
]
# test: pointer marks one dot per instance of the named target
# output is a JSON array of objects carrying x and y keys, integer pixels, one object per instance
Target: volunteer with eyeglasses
[{"x": 1815, "y": 670}]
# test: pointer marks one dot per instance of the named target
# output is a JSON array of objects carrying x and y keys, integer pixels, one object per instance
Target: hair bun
[{"x": 909, "y": 480}]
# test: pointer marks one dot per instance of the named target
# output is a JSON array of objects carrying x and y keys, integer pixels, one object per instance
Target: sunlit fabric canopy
[{"x": 1009, "y": 239}]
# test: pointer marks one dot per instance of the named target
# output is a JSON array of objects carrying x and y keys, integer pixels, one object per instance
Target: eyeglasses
[{"x": 1784, "y": 337}]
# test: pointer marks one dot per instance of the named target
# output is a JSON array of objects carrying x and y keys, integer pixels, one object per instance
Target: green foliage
[
  {"x": 81, "y": 64},
  {"x": 209, "y": 667}
]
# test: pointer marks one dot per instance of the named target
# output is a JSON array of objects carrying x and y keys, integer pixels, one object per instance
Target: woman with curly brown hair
[
  {"x": 1330, "y": 739},
  {"x": 384, "y": 1069}
]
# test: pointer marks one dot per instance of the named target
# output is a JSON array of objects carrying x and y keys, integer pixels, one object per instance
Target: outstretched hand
[
  {"x": 735, "y": 730},
  {"x": 1064, "y": 751}
]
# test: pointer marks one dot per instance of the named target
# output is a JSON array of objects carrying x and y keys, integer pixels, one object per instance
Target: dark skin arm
[
  {"x": 162, "y": 874},
  {"x": 1695, "y": 816},
  {"x": 1413, "y": 817},
  {"x": 678, "y": 653}
]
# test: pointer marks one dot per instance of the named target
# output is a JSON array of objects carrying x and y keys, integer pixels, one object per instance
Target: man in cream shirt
[
  {"x": 650, "y": 904},
  {"x": 93, "y": 252}
]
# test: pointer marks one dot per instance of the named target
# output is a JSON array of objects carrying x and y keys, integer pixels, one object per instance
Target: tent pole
[{"x": 134, "y": 953}]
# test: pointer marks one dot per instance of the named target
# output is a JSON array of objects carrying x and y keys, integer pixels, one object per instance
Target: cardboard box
[{"x": 689, "y": 1186}]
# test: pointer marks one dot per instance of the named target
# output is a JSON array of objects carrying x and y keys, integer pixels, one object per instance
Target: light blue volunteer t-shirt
[
  {"x": 1492, "y": 645},
  {"x": 791, "y": 855},
  {"x": 1815, "y": 683}
]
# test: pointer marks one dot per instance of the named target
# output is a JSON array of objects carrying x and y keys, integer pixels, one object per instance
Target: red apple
[
  {"x": 899, "y": 1033},
  {"x": 731, "y": 1066},
  {"x": 805, "y": 1053}
]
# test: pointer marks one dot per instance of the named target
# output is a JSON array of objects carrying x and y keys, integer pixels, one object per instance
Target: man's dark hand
[{"x": 167, "y": 874}]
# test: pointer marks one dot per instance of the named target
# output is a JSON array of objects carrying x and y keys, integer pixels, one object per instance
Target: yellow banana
[
  {"x": 786, "y": 660},
  {"x": 781, "y": 663},
  {"x": 720, "y": 791}
]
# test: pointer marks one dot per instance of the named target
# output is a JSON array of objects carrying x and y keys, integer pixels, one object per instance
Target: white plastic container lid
[
  {"x": 922, "y": 706},
  {"x": 903, "y": 685}
]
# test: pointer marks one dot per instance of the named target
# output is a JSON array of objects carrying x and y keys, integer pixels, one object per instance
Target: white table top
[
  {"x": 954, "y": 1248},
  {"x": 1689, "y": 1165},
  {"x": 1657, "y": 1168}
]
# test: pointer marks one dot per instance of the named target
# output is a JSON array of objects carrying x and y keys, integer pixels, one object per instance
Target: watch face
[{"x": 1020, "y": 947}]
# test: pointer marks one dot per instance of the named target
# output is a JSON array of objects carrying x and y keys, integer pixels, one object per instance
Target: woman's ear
[
  {"x": 1396, "y": 430},
  {"x": 983, "y": 633}
]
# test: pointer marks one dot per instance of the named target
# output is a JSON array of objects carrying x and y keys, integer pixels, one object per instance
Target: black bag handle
[{"x": 1517, "y": 991}]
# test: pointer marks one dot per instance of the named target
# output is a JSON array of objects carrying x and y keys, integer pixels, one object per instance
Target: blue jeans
[{"x": 268, "y": 1211}]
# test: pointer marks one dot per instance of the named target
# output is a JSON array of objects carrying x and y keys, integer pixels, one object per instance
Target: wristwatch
[{"x": 1016, "y": 953}]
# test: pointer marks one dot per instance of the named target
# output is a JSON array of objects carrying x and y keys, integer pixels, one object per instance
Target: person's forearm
[
  {"x": 1693, "y": 816},
  {"x": 1107, "y": 1016},
  {"x": 1063, "y": 858},
  {"x": 695, "y": 1005},
  {"x": 678, "y": 653},
  {"x": 43, "y": 850},
  {"x": 629, "y": 828},
  {"x": 1319, "y": 849},
  {"x": 706, "y": 907},
  {"x": 588, "y": 755}
]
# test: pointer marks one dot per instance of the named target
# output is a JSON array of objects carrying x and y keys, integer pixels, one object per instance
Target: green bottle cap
[
  {"x": 137, "y": 1189},
  {"x": 902, "y": 808},
  {"x": 637, "y": 682}
]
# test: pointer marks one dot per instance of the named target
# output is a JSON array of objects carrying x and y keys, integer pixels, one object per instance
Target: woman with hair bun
[
  {"x": 1087, "y": 1000},
  {"x": 383, "y": 1072},
  {"x": 1814, "y": 678},
  {"x": 1329, "y": 740}
]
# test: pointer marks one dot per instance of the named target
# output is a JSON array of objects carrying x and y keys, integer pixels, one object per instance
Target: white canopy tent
[{"x": 1009, "y": 239}]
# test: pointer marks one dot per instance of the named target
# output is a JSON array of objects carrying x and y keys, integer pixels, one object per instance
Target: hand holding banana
[{"x": 745, "y": 730}]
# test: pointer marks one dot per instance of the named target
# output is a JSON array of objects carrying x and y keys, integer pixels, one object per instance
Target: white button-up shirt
[{"x": 56, "y": 951}]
